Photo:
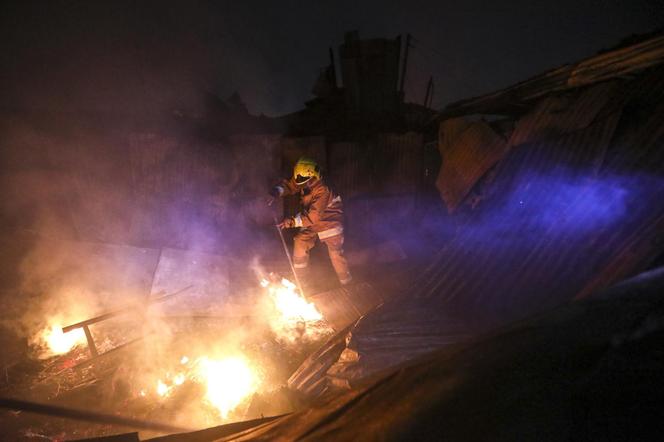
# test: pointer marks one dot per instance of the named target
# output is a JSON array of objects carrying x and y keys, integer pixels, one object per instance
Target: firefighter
[{"x": 320, "y": 218}]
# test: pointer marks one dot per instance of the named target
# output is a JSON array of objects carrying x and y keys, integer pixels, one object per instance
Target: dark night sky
[{"x": 140, "y": 56}]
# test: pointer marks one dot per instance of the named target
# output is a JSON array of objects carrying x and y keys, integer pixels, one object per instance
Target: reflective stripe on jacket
[{"x": 322, "y": 210}]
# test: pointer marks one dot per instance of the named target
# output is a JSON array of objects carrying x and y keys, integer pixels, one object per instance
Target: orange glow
[
  {"x": 162, "y": 388},
  {"x": 229, "y": 382},
  {"x": 293, "y": 317},
  {"x": 55, "y": 342}
]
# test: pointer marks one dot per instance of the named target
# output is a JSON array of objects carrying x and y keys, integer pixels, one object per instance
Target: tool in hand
[{"x": 288, "y": 255}]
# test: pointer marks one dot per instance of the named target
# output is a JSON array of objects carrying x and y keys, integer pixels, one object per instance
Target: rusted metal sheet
[
  {"x": 467, "y": 152},
  {"x": 389, "y": 164},
  {"x": 350, "y": 169},
  {"x": 568, "y": 212},
  {"x": 562, "y": 113},
  {"x": 514, "y": 99},
  {"x": 647, "y": 90},
  {"x": 646, "y": 237},
  {"x": 473, "y": 263},
  {"x": 618, "y": 63},
  {"x": 398, "y": 162}
]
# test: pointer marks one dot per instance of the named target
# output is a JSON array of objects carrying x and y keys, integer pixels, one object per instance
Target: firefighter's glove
[
  {"x": 287, "y": 223},
  {"x": 276, "y": 191}
]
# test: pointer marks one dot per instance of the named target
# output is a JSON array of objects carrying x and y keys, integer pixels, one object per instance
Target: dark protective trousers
[{"x": 305, "y": 240}]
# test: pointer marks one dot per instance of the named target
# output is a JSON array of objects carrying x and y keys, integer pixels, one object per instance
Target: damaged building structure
[{"x": 513, "y": 288}]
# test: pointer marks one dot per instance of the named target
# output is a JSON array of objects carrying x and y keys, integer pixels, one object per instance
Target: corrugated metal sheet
[
  {"x": 618, "y": 63},
  {"x": 645, "y": 156},
  {"x": 388, "y": 164},
  {"x": 504, "y": 262},
  {"x": 466, "y": 155},
  {"x": 397, "y": 161},
  {"x": 511, "y": 100},
  {"x": 599, "y": 362},
  {"x": 350, "y": 173},
  {"x": 471, "y": 264},
  {"x": 562, "y": 113}
]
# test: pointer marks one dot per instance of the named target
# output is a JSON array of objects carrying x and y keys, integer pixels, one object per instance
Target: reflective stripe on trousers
[{"x": 305, "y": 240}]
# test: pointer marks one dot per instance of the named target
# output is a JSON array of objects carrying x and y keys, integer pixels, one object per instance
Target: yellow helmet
[{"x": 305, "y": 169}]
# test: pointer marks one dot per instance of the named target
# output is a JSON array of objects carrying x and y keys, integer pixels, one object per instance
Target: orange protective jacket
[{"x": 322, "y": 210}]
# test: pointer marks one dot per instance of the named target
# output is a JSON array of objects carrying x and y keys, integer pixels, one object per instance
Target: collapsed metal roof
[
  {"x": 623, "y": 62},
  {"x": 553, "y": 206}
]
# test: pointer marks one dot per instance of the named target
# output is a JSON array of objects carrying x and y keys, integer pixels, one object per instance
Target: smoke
[
  {"x": 105, "y": 215},
  {"x": 108, "y": 157},
  {"x": 562, "y": 202}
]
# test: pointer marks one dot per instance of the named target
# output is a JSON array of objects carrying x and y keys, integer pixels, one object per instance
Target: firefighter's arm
[
  {"x": 284, "y": 188},
  {"x": 314, "y": 212}
]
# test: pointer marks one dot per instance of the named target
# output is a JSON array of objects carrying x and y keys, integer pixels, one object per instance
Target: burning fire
[
  {"x": 228, "y": 381},
  {"x": 52, "y": 341},
  {"x": 294, "y": 317},
  {"x": 292, "y": 306}
]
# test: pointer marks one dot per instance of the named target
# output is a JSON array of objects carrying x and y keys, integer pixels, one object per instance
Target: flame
[
  {"x": 164, "y": 388},
  {"x": 294, "y": 318},
  {"x": 291, "y": 305},
  {"x": 54, "y": 342},
  {"x": 229, "y": 382}
]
